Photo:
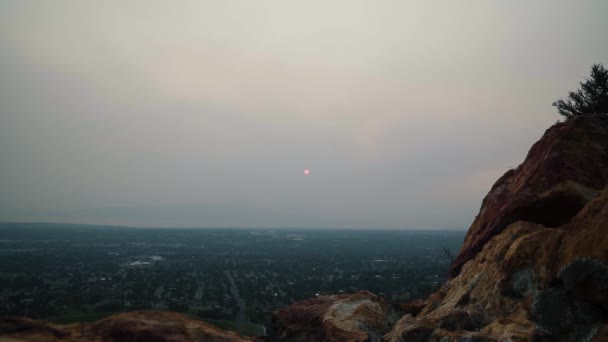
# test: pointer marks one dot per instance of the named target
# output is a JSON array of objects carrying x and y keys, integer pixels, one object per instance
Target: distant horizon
[{"x": 236, "y": 228}]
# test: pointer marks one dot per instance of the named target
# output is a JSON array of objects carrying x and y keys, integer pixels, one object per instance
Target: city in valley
[{"x": 229, "y": 277}]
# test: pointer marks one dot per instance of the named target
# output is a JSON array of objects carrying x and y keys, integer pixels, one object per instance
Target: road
[{"x": 242, "y": 314}]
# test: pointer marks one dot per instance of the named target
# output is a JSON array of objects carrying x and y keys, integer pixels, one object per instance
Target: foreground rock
[
  {"x": 131, "y": 326},
  {"x": 350, "y": 317},
  {"x": 534, "y": 263},
  {"x": 562, "y": 172}
]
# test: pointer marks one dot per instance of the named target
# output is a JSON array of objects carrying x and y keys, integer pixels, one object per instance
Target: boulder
[{"x": 361, "y": 316}]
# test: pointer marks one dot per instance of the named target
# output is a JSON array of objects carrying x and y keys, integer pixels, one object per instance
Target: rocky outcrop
[
  {"x": 361, "y": 316},
  {"x": 562, "y": 172},
  {"x": 528, "y": 282},
  {"x": 534, "y": 263},
  {"x": 131, "y": 326}
]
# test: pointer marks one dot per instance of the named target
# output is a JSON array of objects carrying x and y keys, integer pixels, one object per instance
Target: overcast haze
[{"x": 207, "y": 113}]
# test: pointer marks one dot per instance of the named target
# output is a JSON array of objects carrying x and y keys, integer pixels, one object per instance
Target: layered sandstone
[{"x": 528, "y": 282}]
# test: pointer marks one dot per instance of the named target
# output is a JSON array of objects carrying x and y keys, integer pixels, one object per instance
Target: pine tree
[{"x": 592, "y": 97}]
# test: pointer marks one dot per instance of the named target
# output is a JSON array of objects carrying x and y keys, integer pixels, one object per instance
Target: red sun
[{"x": 307, "y": 172}]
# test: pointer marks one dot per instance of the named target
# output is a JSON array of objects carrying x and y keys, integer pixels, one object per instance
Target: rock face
[
  {"x": 350, "y": 317},
  {"x": 534, "y": 263},
  {"x": 561, "y": 173},
  {"x": 528, "y": 282},
  {"x": 131, "y": 326}
]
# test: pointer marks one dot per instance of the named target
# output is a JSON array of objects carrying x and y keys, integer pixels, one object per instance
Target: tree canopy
[{"x": 591, "y": 97}]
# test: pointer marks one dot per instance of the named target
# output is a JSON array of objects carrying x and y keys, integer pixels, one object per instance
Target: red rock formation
[
  {"x": 361, "y": 316},
  {"x": 561, "y": 173},
  {"x": 534, "y": 265},
  {"x": 131, "y": 326}
]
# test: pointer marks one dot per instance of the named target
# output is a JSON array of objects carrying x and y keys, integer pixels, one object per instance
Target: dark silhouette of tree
[{"x": 592, "y": 97}]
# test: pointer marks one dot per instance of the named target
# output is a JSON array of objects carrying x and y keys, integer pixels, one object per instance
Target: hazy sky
[{"x": 206, "y": 113}]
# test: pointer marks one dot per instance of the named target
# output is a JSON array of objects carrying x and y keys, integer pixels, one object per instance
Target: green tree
[{"x": 592, "y": 97}]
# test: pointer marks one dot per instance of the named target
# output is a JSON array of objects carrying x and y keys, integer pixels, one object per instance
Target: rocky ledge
[{"x": 131, "y": 326}]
